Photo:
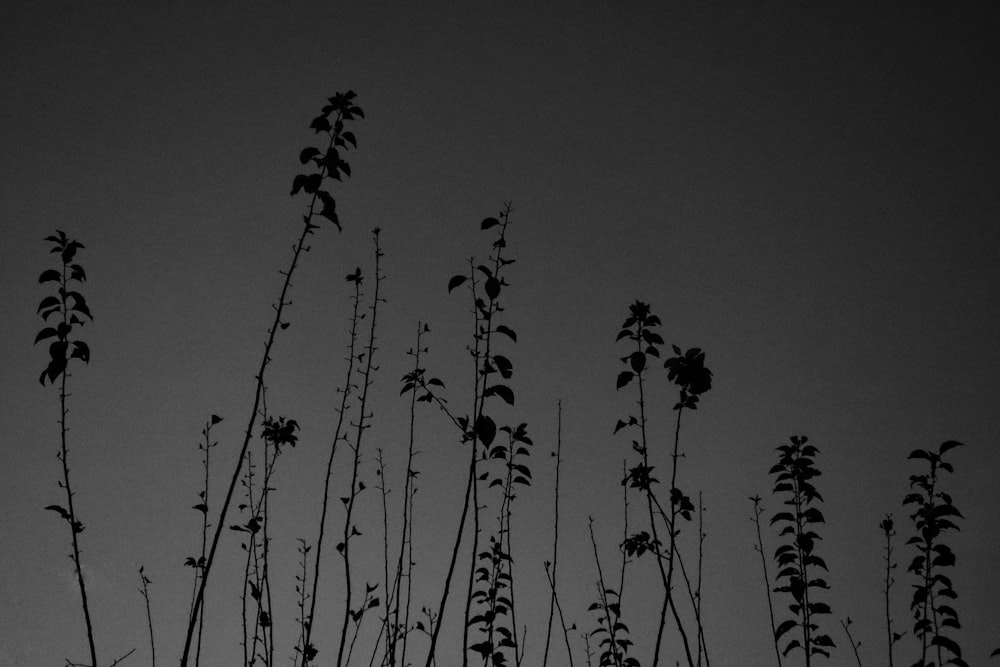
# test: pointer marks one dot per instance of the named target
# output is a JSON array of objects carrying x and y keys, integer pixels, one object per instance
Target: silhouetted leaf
[
  {"x": 948, "y": 643},
  {"x": 492, "y": 288},
  {"x": 502, "y": 391},
  {"x": 49, "y": 302},
  {"x": 637, "y": 360},
  {"x": 329, "y": 210},
  {"x": 624, "y": 378},
  {"x": 507, "y": 331},
  {"x": 50, "y": 275},
  {"x": 81, "y": 351},
  {"x": 61, "y": 511},
  {"x": 456, "y": 281},
  {"x": 503, "y": 365},
  {"x": 486, "y": 430},
  {"x": 950, "y": 444},
  {"x": 47, "y": 332},
  {"x": 488, "y": 222},
  {"x": 783, "y": 628},
  {"x": 308, "y": 153}
]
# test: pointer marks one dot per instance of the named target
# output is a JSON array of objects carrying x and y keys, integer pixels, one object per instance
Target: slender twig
[
  {"x": 199, "y": 565},
  {"x": 625, "y": 527},
  {"x": 702, "y": 648},
  {"x": 555, "y": 540},
  {"x": 389, "y": 592},
  {"x": 360, "y": 426},
  {"x": 145, "y": 581},
  {"x": 671, "y": 557},
  {"x": 854, "y": 645},
  {"x": 301, "y": 580},
  {"x": 474, "y": 440},
  {"x": 562, "y": 620},
  {"x": 308, "y": 650},
  {"x": 478, "y": 401},
  {"x": 60, "y": 353},
  {"x": 759, "y": 548},
  {"x": 887, "y": 528},
  {"x": 405, "y": 546},
  {"x": 606, "y": 607},
  {"x": 344, "y": 110}
]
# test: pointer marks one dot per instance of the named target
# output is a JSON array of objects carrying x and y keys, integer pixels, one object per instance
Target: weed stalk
[
  {"x": 322, "y": 204},
  {"x": 69, "y": 307}
]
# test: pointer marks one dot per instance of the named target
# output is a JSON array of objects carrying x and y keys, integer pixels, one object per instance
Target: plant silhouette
[{"x": 484, "y": 582}]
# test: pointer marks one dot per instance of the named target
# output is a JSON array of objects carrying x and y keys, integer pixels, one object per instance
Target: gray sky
[{"x": 807, "y": 193}]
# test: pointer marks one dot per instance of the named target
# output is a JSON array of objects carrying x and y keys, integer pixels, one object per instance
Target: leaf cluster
[
  {"x": 67, "y": 304},
  {"x": 794, "y": 474},
  {"x": 934, "y": 514},
  {"x": 280, "y": 432},
  {"x": 611, "y": 632},
  {"x": 329, "y": 162},
  {"x": 493, "y": 580}
]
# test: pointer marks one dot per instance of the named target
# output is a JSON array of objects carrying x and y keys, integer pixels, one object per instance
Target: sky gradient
[{"x": 808, "y": 193}]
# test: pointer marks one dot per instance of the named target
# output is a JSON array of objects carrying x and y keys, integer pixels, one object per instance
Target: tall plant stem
[
  {"x": 757, "y": 511},
  {"x": 652, "y": 517},
  {"x": 610, "y": 623},
  {"x": 673, "y": 541},
  {"x": 307, "y": 650},
  {"x": 887, "y": 528},
  {"x": 854, "y": 646},
  {"x": 149, "y": 615},
  {"x": 75, "y": 526},
  {"x": 405, "y": 546},
  {"x": 562, "y": 619},
  {"x": 454, "y": 558},
  {"x": 307, "y": 229},
  {"x": 390, "y": 592},
  {"x": 479, "y": 401},
  {"x": 702, "y": 648},
  {"x": 555, "y": 539},
  {"x": 803, "y": 574},
  {"x": 470, "y": 487},
  {"x": 200, "y": 564},
  {"x": 361, "y": 425}
]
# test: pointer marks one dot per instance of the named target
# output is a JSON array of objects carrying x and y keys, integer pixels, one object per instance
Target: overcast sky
[{"x": 809, "y": 193}]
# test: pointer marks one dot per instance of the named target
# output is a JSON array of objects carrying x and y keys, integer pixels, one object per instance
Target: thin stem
[
  {"x": 300, "y": 245},
  {"x": 854, "y": 646},
  {"x": 887, "y": 529},
  {"x": 555, "y": 539},
  {"x": 149, "y": 616},
  {"x": 702, "y": 648},
  {"x": 75, "y": 526},
  {"x": 478, "y": 402},
  {"x": 757, "y": 511},
  {"x": 406, "y": 547},
  {"x": 385, "y": 557},
  {"x": 349, "y": 528},
  {"x": 605, "y": 605},
  {"x": 673, "y": 538},
  {"x": 307, "y": 649},
  {"x": 649, "y": 506},
  {"x": 562, "y": 620}
]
